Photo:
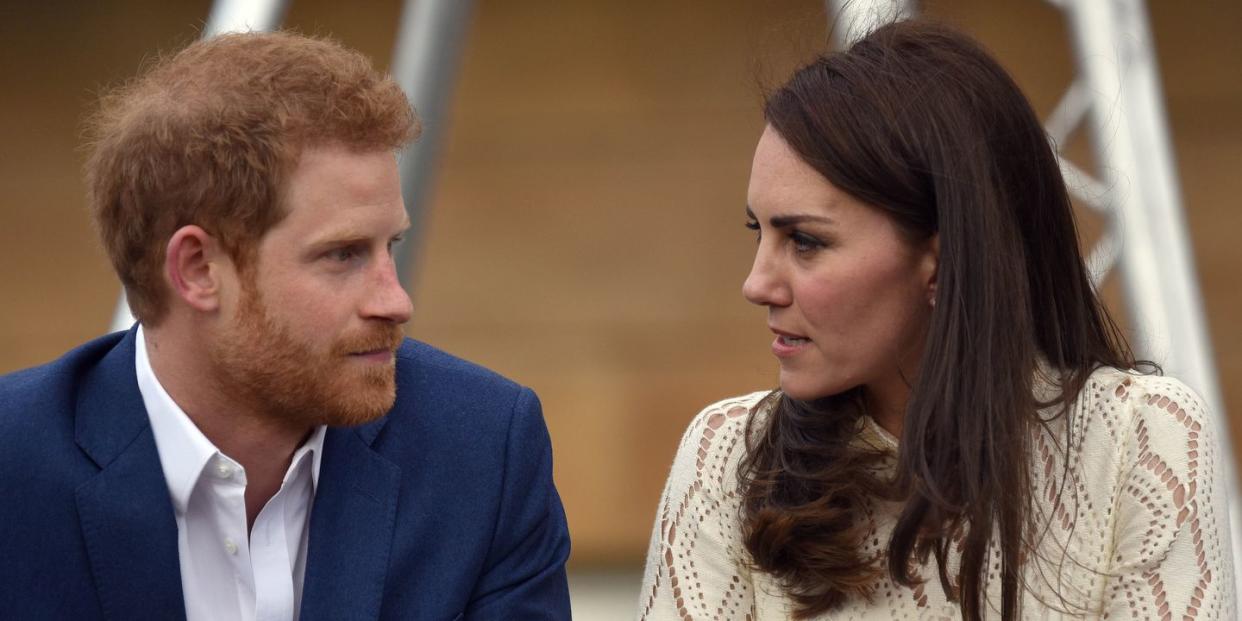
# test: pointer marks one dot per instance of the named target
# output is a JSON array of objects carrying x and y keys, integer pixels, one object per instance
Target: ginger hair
[{"x": 209, "y": 135}]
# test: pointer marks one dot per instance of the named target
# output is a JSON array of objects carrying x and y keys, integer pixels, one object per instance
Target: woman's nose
[{"x": 764, "y": 285}]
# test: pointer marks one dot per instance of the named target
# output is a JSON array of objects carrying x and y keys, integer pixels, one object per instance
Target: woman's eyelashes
[
  {"x": 754, "y": 226},
  {"x": 803, "y": 242}
]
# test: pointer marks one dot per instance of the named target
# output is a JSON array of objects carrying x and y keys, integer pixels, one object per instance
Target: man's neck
[{"x": 262, "y": 444}]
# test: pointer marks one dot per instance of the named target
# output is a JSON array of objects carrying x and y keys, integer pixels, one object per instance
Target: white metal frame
[
  {"x": 1118, "y": 94},
  {"x": 425, "y": 64}
]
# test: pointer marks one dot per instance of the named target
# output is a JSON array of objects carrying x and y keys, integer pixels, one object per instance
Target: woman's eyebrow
[{"x": 782, "y": 221}]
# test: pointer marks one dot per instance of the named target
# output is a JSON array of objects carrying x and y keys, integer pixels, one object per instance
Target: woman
[{"x": 959, "y": 431}]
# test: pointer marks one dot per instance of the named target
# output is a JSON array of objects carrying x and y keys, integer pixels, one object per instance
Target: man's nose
[{"x": 388, "y": 300}]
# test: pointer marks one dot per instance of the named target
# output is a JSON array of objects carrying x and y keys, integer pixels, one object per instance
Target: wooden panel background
[{"x": 585, "y": 235}]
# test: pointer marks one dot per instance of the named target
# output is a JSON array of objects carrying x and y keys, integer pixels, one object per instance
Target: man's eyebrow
[
  {"x": 349, "y": 237},
  {"x": 337, "y": 240},
  {"x": 783, "y": 221}
]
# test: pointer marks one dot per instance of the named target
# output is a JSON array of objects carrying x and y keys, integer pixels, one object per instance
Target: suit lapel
[
  {"x": 351, "y": 528},
  {"x": 127, "y": 519}
]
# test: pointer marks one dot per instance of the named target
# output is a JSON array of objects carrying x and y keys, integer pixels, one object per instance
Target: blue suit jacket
[{"x": 444, "y": 509}]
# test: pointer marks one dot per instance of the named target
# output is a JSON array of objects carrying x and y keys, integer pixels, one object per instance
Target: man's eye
[
  {"x": 396, "y": 241},
  {"x": 343, "y": 255}
]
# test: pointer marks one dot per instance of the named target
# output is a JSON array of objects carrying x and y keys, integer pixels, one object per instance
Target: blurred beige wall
[{"x": 585, "y": 235}]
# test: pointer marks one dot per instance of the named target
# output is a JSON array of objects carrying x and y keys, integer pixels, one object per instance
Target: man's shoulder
[
  {"x": 39, "y": 410},
  {"x": 417, "y": 360},
  {"x": 458, "y": 420},
  {"x": 54, "y": 383},
  {"x": 438, "y": 384}
]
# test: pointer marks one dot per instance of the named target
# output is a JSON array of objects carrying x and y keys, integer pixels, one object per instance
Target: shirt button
[
  {"x": 224, "y": 470},
  {"x": 230, "y": 546}
]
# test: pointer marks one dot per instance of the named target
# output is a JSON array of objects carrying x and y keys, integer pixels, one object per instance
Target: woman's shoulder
[
  {"x": 1131, "y": 397},
  {"x": 722, "y": 425},
  {"x": 1166, "y": 493},
  {"x": 1155, "y": 421},
  {"x": 730, "y": 415},
  {"x": 715, "y": 441}
]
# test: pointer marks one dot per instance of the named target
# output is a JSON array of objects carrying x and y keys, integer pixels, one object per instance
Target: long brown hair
[{"x": 920, "y": 122}]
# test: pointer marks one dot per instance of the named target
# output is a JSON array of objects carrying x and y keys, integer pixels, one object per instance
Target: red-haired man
[{"x": 265, "y": 443}]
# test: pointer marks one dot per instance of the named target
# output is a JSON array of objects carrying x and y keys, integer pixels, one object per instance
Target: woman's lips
[{"x": 787, "y": 345}]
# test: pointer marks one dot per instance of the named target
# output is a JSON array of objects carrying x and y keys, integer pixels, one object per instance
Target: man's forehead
[{"x": 333, "y": 187}]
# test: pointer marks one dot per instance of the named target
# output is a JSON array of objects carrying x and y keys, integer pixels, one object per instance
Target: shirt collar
[
  {"x": 314, "y": 446},
  {"x": 183, "y": 449}
]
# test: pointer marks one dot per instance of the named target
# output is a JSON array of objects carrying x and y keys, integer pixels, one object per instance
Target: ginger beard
[{"x": 291, "y": 380}]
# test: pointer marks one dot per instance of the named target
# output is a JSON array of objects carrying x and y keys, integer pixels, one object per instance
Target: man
[{"x": 264, "y": 444}]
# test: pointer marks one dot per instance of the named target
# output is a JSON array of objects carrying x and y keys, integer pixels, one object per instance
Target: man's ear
[{"x": 192, "y": 265}]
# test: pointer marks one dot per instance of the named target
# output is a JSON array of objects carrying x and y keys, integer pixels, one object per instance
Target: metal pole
[
  {"x": 244, "y": 16},
  {"x": 851, "y": 20},
  {"x": 425, "y": 64},
  {"x": 225, "y": 16},
  {"x": 1130, "y": 134}
]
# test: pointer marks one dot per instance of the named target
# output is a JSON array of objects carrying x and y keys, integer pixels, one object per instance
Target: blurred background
[{"x": 584, "y": 232}]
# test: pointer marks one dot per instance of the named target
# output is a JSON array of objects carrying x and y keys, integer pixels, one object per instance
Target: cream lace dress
[{"x": 1140, "y": 530}]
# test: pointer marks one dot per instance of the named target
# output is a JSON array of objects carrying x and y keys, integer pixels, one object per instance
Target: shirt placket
[
  {"x": 229, "y": 513},
  {"x": 261, "y": 558},
  {"x": 270, "y": 558}
]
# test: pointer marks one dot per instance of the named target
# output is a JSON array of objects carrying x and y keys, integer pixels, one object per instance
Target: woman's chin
[{"x": 802, "y": 388}]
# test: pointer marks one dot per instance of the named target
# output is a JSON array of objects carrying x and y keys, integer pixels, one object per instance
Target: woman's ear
[
  {"x": 929, "y": 266},
  {"x": 191, "y": 266}
]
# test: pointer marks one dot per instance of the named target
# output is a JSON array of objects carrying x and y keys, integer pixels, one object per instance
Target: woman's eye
[
  {"x": 804, "y": 243},
  {"x": 754, "y": 226}
]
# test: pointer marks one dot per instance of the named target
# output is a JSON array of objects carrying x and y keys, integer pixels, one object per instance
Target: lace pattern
[{"x": 1129, "y": 523}]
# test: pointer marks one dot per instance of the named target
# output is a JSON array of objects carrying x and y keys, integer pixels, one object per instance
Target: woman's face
[{"x": 848, "y": 295}]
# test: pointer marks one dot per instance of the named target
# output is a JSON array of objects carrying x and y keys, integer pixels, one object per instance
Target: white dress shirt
[{"x": 227, "y": 573}]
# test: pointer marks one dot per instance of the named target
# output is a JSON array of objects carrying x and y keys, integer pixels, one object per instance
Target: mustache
[{"x": 388, "y": 336}]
